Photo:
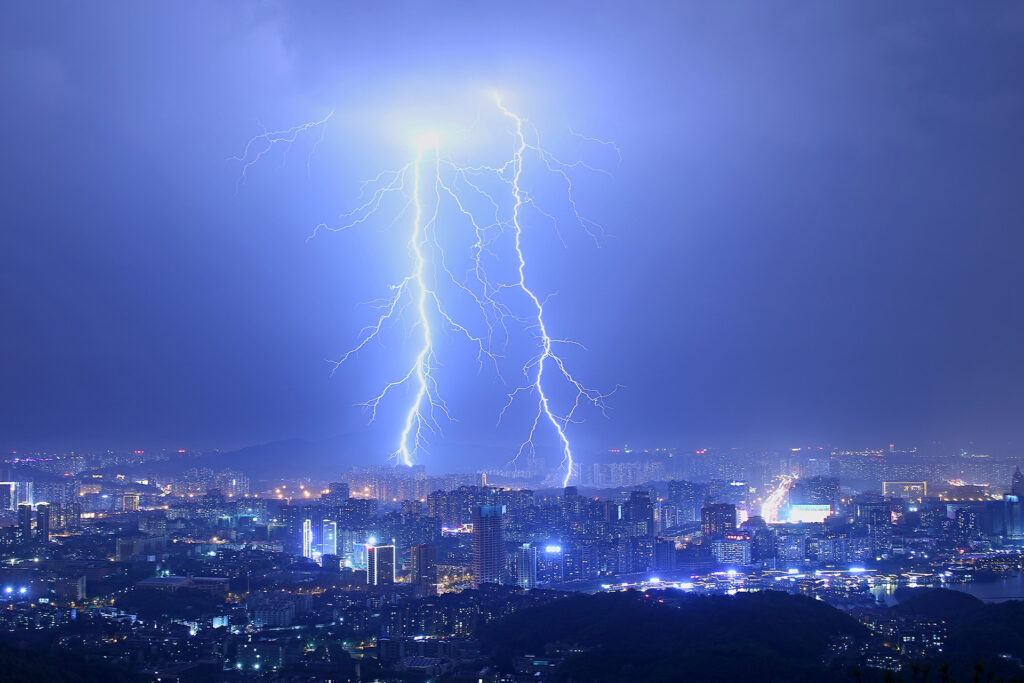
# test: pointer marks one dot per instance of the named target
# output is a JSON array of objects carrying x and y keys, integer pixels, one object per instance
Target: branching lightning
[
  {"x": 416, "y": 290},
  {"x": 534, "y": 368},
  {"x": 429, "y": 292}
]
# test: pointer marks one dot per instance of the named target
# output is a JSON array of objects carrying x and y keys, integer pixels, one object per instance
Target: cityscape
[
  {"x": 449, "y": 342},
  {"x": 389, "y": 571}
]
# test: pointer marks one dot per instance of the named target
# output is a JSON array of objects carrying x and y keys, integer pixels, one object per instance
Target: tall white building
[
  {"x": 330, "y": 538},
  {"x": 307, "y": 538}
]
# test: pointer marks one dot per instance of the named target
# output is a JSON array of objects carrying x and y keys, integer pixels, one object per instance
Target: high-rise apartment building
[
  {"x": 380, "y": 565},
  {"x": 337, "y": 493},
  {"x": 639, "y": 512},
  {"x": 526, "y": 566},
  {"x": 424, "y": 567},
  {"x": 489, "y": 561},
  {"x": 329, "y": 545},
  {"x": 43, "y": 522},
  {"x": 718, "y": 520},
  {"x": 25, "y": 521},
  {"x": 8, "y": 495},
  {"x": 307, "y": 538}
]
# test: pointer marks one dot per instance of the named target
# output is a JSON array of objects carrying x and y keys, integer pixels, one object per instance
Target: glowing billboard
[{"x": 808, "y": 513}]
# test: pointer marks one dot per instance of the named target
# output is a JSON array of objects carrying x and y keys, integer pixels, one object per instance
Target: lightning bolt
[
  {"x": 417, "y": 290},
  {"x": 534, "y": 368},
  {"x": 259, "y": 145},
  {"x": 431, "y": 280}
]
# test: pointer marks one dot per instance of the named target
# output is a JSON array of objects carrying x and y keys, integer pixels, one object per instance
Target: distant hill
[
  {"x": 296, "y": 457},
  {"x": 984, "y": 639},
  {"x": 328, "y": 458},
  {"x": 935, "y": 603}
]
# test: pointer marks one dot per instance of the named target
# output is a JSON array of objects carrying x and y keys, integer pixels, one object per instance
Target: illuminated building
[
  {"x": 488, "y": 545},
  {"x": 526, "y": 566},
  {"x": 639, "y": 512},
  {"x": 718, "y": 520},
  {"x": 815, "y": 491},
  {"x": 307, "y": 538},
  {"x": 140, "y": 546},
  {"x": 809, "y": 513},
  {"x": 876, "y": 512},
  {"x": 688, "y": 498},
  {"x": 73, "y": 515},
  {"x": 70, "y": 589},
  {"x": 550, "y": 563},
  {"x": 424, "y": 567},
  {"x": 734, "y": 549},
  {"x": 380, "y": 565},
  {"x": 913, "y": 491},
  {"x": 791, "y": 543},
  {"x": 330, "y": 538},
  {"x": 43, "y": 522},
  {"x": 967, "y": 524},
  {"x": 634, "y": 554},
  {"x": 571, "y": 502},
  {"x": 130, "y": 502},
  {"x": 337, "y": 493},
  {"x": 1006, "y": 516},
  {"x": 7, "y": 495},
  {"x": 24, "y": 493},
  {"x": 25, "y": 521},
  {"x": 1017, "y": 483}
]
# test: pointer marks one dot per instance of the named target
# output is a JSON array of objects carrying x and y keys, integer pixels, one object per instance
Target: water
[{"x": 1000, "y": 590}]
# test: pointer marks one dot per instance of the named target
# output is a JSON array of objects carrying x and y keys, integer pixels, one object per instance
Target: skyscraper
[
  {"x": 330, "y": 538},
  {"x": 424, "y": 568},
  {"x": 689, "y": 498},
  {"x": 526, "y": 566},
  {"x": 25, "y": 521},
  {"x": 639, "y": 512},
  {"x": 488, "y": 545},
  {"x": 23, "y": 492},
  {"x": 43, "y": 522},
  {"x": 7, "y": 495},
  {"x": 1017, "y": 484},
  {"x": 337, "y": 493},
  {"x": 717, "y": 520},
  {"x": 307, "y": 538},
  {"x": 572, "y": 504},
  {"x": 380, "y": 565},
  {"x": 73, "y": 514}
]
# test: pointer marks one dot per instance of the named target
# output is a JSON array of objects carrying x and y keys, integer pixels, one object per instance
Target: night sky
[{"x": 813, "y": 234}]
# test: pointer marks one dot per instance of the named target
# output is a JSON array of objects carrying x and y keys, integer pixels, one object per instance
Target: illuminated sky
[{"x": 813, "y": 232}]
